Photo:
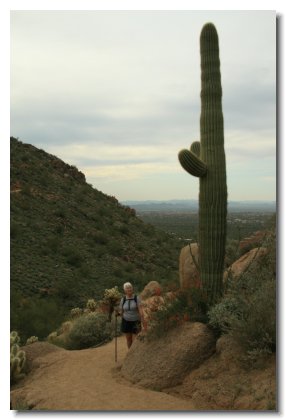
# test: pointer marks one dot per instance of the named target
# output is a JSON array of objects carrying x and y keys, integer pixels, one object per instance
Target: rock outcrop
[{"x": 165, "y": 361}]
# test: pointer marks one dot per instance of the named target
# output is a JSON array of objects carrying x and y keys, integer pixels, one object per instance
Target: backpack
[{"x": 124, "y": 300}]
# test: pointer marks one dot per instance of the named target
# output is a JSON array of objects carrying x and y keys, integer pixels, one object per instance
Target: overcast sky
[{"x": 117, "y": 93}]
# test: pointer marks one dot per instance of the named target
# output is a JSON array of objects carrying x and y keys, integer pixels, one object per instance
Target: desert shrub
[
  {"x": 118, "y": 272},
  {"x": 257, "y": 328},
  {"x": 26, "y": 190},
  {"x": 248, "y": 310},
  {"x": 61, "y": 213},
  {"x": 73, "y": 257},
  {"x": 85, "y": 270},
  {"x": 53, "y": 244},
  {"x": 90, "y": 330},
  {"x": 15, "y": 230},
  {"x": 115, "y": 248},
  {"x": 35, "y": 316},
  {"x": 148, "y": 230},
  {"x": 223, "y": 315},
  {"x": 124, "y": 230},
  {"x": 232, "y": 252},
  {"x": 129, "y": 268},
  {"x": 100, "y": 238}
]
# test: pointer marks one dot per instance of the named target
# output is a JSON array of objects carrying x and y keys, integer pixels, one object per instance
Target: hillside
[{"x": 69, "y": 241}]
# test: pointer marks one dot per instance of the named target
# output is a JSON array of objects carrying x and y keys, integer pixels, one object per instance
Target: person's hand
[{"x": 144, "y": 325}]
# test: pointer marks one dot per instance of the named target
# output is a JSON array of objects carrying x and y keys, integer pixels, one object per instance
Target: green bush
[
  {"x": 15, "y": 230},
  {"x": 248, "y": 310},
  {"x": 232, "y": 251},
  {"x": 35, "y": 316},
  {"x": 100, "y": 238},
  {"x": 73, "y": 257},
  {"x": 257, "y": 328},
  {"x": 90, "y": 330},
  {"x": 115, "y": 248},
  {"x": 223, "y": 315}
]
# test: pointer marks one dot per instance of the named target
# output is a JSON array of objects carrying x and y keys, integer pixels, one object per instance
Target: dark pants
[{"x": 132, "y": 327}]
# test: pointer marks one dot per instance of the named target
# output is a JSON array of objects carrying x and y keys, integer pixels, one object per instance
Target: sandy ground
[{"x": 89, "y": 380}]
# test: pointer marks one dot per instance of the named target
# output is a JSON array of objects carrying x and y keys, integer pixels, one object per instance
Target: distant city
[{"x": 181, "y": 206}]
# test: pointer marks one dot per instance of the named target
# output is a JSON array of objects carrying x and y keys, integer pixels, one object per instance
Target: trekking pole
[{"x": 115, "y": 337}]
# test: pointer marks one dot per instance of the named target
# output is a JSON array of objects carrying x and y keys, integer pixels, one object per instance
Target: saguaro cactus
[{"x": 206, "y": 160}]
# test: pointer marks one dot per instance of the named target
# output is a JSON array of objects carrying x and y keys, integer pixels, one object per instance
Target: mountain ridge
[{"x": 70, "y": 241}]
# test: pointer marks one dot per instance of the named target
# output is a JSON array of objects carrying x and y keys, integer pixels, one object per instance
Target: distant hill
[
  {"x": 69, "y": 241},
  {"x": 181, "y": 206}
]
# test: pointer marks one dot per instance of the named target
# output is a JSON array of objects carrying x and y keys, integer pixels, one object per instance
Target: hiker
[{"x": 132, "y": 314}]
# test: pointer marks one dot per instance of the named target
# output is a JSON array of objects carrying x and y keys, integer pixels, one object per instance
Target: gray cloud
[{"x": 106, "y": 80}]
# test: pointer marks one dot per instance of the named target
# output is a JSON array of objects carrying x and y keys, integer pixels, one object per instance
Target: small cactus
[
  {"x": 32, "y": 339},
  {"x": 111, "y": 298},
  {"x": 91, "y": 305},
  {"x": 17, "y": 358},
  {"x": 52, "y": 336},
  {"x": 14, "y": 338},
  {"x": 75, "y": 312},
  {"x": 112, "y": 295}
]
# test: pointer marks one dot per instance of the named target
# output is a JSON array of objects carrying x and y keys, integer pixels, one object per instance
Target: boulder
[
  {"x": 189, "y": 275},
  {"x": 35, "y": 350},
  {"x": 153, "y": 288},
  {"x": 254, "y": 240},
  {"x": 228, "y": 349},
  {"x": 165, "y": 361},
  {"x": 245, "y": 262}
]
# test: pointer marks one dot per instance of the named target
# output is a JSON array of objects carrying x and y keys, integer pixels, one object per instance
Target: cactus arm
[
  {"x": 196, "y": 148},
  {"x": 192, "y": 163}
]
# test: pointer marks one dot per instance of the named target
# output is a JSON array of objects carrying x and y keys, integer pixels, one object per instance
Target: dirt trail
[{"x": 90, "y": 380}]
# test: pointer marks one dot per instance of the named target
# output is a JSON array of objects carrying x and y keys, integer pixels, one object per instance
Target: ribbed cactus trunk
[{"x": 206, "y": 160}]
